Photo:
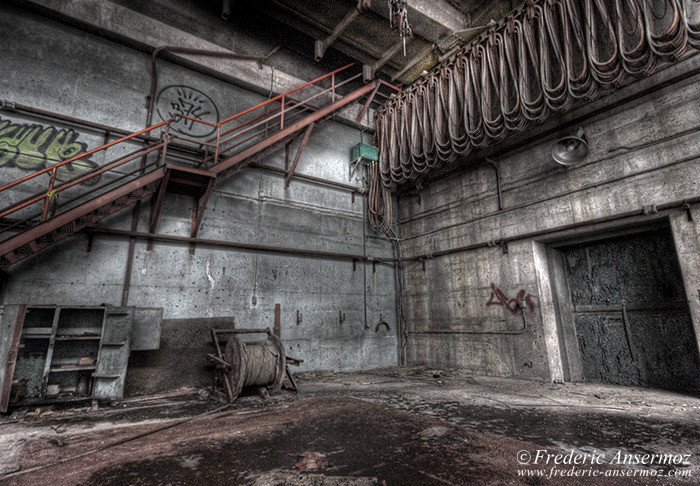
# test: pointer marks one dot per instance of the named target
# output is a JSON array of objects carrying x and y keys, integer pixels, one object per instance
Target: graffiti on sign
[
  {"x": 183, "y": 100},
  {"x": 499, "y": 298},
  {"x": 34, "y": 147}
]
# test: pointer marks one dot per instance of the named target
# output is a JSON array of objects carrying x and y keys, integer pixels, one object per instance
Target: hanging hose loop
[{"x": 539, "y": 60}]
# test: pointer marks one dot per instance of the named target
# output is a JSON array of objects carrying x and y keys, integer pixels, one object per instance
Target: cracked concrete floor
[{"x": 393, "y": 425}]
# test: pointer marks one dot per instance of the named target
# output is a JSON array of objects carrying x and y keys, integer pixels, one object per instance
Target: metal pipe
[
  {"x": 581, "y": 224},
  {"x": 172, "y": 145},
  {"x": 498, "y": 183},
  {"x": 243, "y": 246},
  {"x": 498, "y": 332},
  {"x": 595, "y": 185},
  {"x": 192, "y": 51},
  {"x": 339, "y": 185}
]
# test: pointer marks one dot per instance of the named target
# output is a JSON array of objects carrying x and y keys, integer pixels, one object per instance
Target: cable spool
[{"x": 259, "y": 365}]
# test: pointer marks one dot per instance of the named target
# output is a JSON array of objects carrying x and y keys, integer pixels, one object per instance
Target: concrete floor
[{"x": 386, "y": 426}]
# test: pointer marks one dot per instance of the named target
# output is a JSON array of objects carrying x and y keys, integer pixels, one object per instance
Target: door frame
[{"x": 557, "y": 310}]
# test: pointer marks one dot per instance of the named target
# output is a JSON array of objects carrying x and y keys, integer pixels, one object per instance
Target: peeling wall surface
[
  {"x": 642, "y": 152},
  {"x": 55, "y": 67}
]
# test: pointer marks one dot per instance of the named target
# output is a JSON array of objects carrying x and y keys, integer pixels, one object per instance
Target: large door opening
[{"x": 623, "y": 313}]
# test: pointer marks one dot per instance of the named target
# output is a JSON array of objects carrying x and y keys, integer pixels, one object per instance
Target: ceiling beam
[
  {"x": 320, "y": 46},
  {"x": 369, "y": 70},
  {"x": 430, "y": 19}
]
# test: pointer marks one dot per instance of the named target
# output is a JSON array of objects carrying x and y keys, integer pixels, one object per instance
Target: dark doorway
[{"x": 628, "y": 310}]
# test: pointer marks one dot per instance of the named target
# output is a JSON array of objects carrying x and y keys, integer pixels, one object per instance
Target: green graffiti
[{"x": 34, "y": 147}]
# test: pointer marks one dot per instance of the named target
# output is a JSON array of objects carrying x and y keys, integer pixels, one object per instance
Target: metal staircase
[{"x": 136, "y": 170}]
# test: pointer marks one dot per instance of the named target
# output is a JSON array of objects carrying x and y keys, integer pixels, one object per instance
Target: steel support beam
[
  {"x": 302, "y": 252},
  {"x": 243, "y": 155},
  {"x": 199, "y": 205},
  {"x": 157, "y": 206},
  {"x": 367, "y": 103},
  {"x": 320, "y": 46},
  {"x": 4, "y": 282},
  {"x": 369, "y": 70},
  {"x": 415, "y": 60},
  {"x": 290, "y": 173},
  {"x": 53, "y": 224}
]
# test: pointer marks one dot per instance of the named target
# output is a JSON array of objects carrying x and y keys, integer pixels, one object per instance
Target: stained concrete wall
[
  {"x": 63, "y": 69},
  {"x": 643, "y": 152}
]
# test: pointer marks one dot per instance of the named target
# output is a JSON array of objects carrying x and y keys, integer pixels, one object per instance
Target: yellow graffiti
[{"x": 34, "y": 147}]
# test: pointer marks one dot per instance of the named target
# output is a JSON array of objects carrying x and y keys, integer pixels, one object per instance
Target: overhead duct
[{"x": 538, "y": 61}]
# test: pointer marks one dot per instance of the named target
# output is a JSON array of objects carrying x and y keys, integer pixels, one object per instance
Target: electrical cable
[{"x": 540, "y": 60}]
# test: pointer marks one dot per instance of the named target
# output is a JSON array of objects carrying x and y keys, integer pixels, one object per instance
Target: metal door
[{"x": 630, "y": 314}]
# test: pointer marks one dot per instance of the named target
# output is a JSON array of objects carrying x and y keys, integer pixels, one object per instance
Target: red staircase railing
[{"x": 257, "y": 128}]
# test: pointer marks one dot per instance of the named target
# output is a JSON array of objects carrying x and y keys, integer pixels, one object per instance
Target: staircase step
[
  {"x": 46, "y": 239},
  {"x": 68, "y": 228},
  {"x": 123, "y": 201},
  {"x": 104, "y": 210},
  {"x": 24, "y": 250}
]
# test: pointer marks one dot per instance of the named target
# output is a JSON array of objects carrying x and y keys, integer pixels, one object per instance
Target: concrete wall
[
  {"x": 641, "y": 153},
  {"x": 54, "y": 67}
]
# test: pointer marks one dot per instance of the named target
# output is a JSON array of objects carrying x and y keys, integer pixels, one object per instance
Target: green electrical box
[{"x": 364, "y": 153}]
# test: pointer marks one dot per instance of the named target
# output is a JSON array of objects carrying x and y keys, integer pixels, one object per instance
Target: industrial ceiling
[{"x": 360, "y": 30}]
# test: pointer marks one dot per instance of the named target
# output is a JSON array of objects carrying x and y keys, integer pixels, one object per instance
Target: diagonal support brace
[
  {"x": 293, "y": 168},
  {"x": 199, "y": 205},
  {"x": 157, "y": 206}
]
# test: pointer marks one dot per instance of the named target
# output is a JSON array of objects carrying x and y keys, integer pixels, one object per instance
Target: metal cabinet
[{"x": 65, "y": 353}]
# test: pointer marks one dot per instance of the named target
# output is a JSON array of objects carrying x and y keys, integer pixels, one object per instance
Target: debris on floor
[
  {"x": 299, "y": 479},
  {"x": 395, "y": 431},
  {"x": 311, "y": 461}
]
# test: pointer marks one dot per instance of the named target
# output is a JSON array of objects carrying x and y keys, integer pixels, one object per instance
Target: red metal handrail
[
  {"x": 288, "y": 106},
  {"x": 80, "y": 156},
  {"x": 283, "y": 95}
]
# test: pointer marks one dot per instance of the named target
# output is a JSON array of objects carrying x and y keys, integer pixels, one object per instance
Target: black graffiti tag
[{"x": 183, "y": 100}]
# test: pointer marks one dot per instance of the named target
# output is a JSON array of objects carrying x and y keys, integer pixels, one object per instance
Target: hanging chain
[{"x": 398, "y": 20}]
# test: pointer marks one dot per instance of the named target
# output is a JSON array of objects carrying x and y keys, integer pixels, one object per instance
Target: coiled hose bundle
[{"x": 541, "y": 60}]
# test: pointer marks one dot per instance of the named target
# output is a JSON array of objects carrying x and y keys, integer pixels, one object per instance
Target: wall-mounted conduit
[
  {"x": 505, "y": 332},
  {"x": 541, "y": 60}
]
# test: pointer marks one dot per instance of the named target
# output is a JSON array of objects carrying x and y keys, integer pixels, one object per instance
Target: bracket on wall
[
  {"x": 381, "y": 323},
  {"x": 650, "y": 209},
  {"x": 498, "y": 183},
  {"x": 199, "y": 204},
  {"x": 688, "y": 211},
  {"x": 300, "y": 316},
  {"x": 341, "y": 317},
  {"x": 503, "y": 244}
]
